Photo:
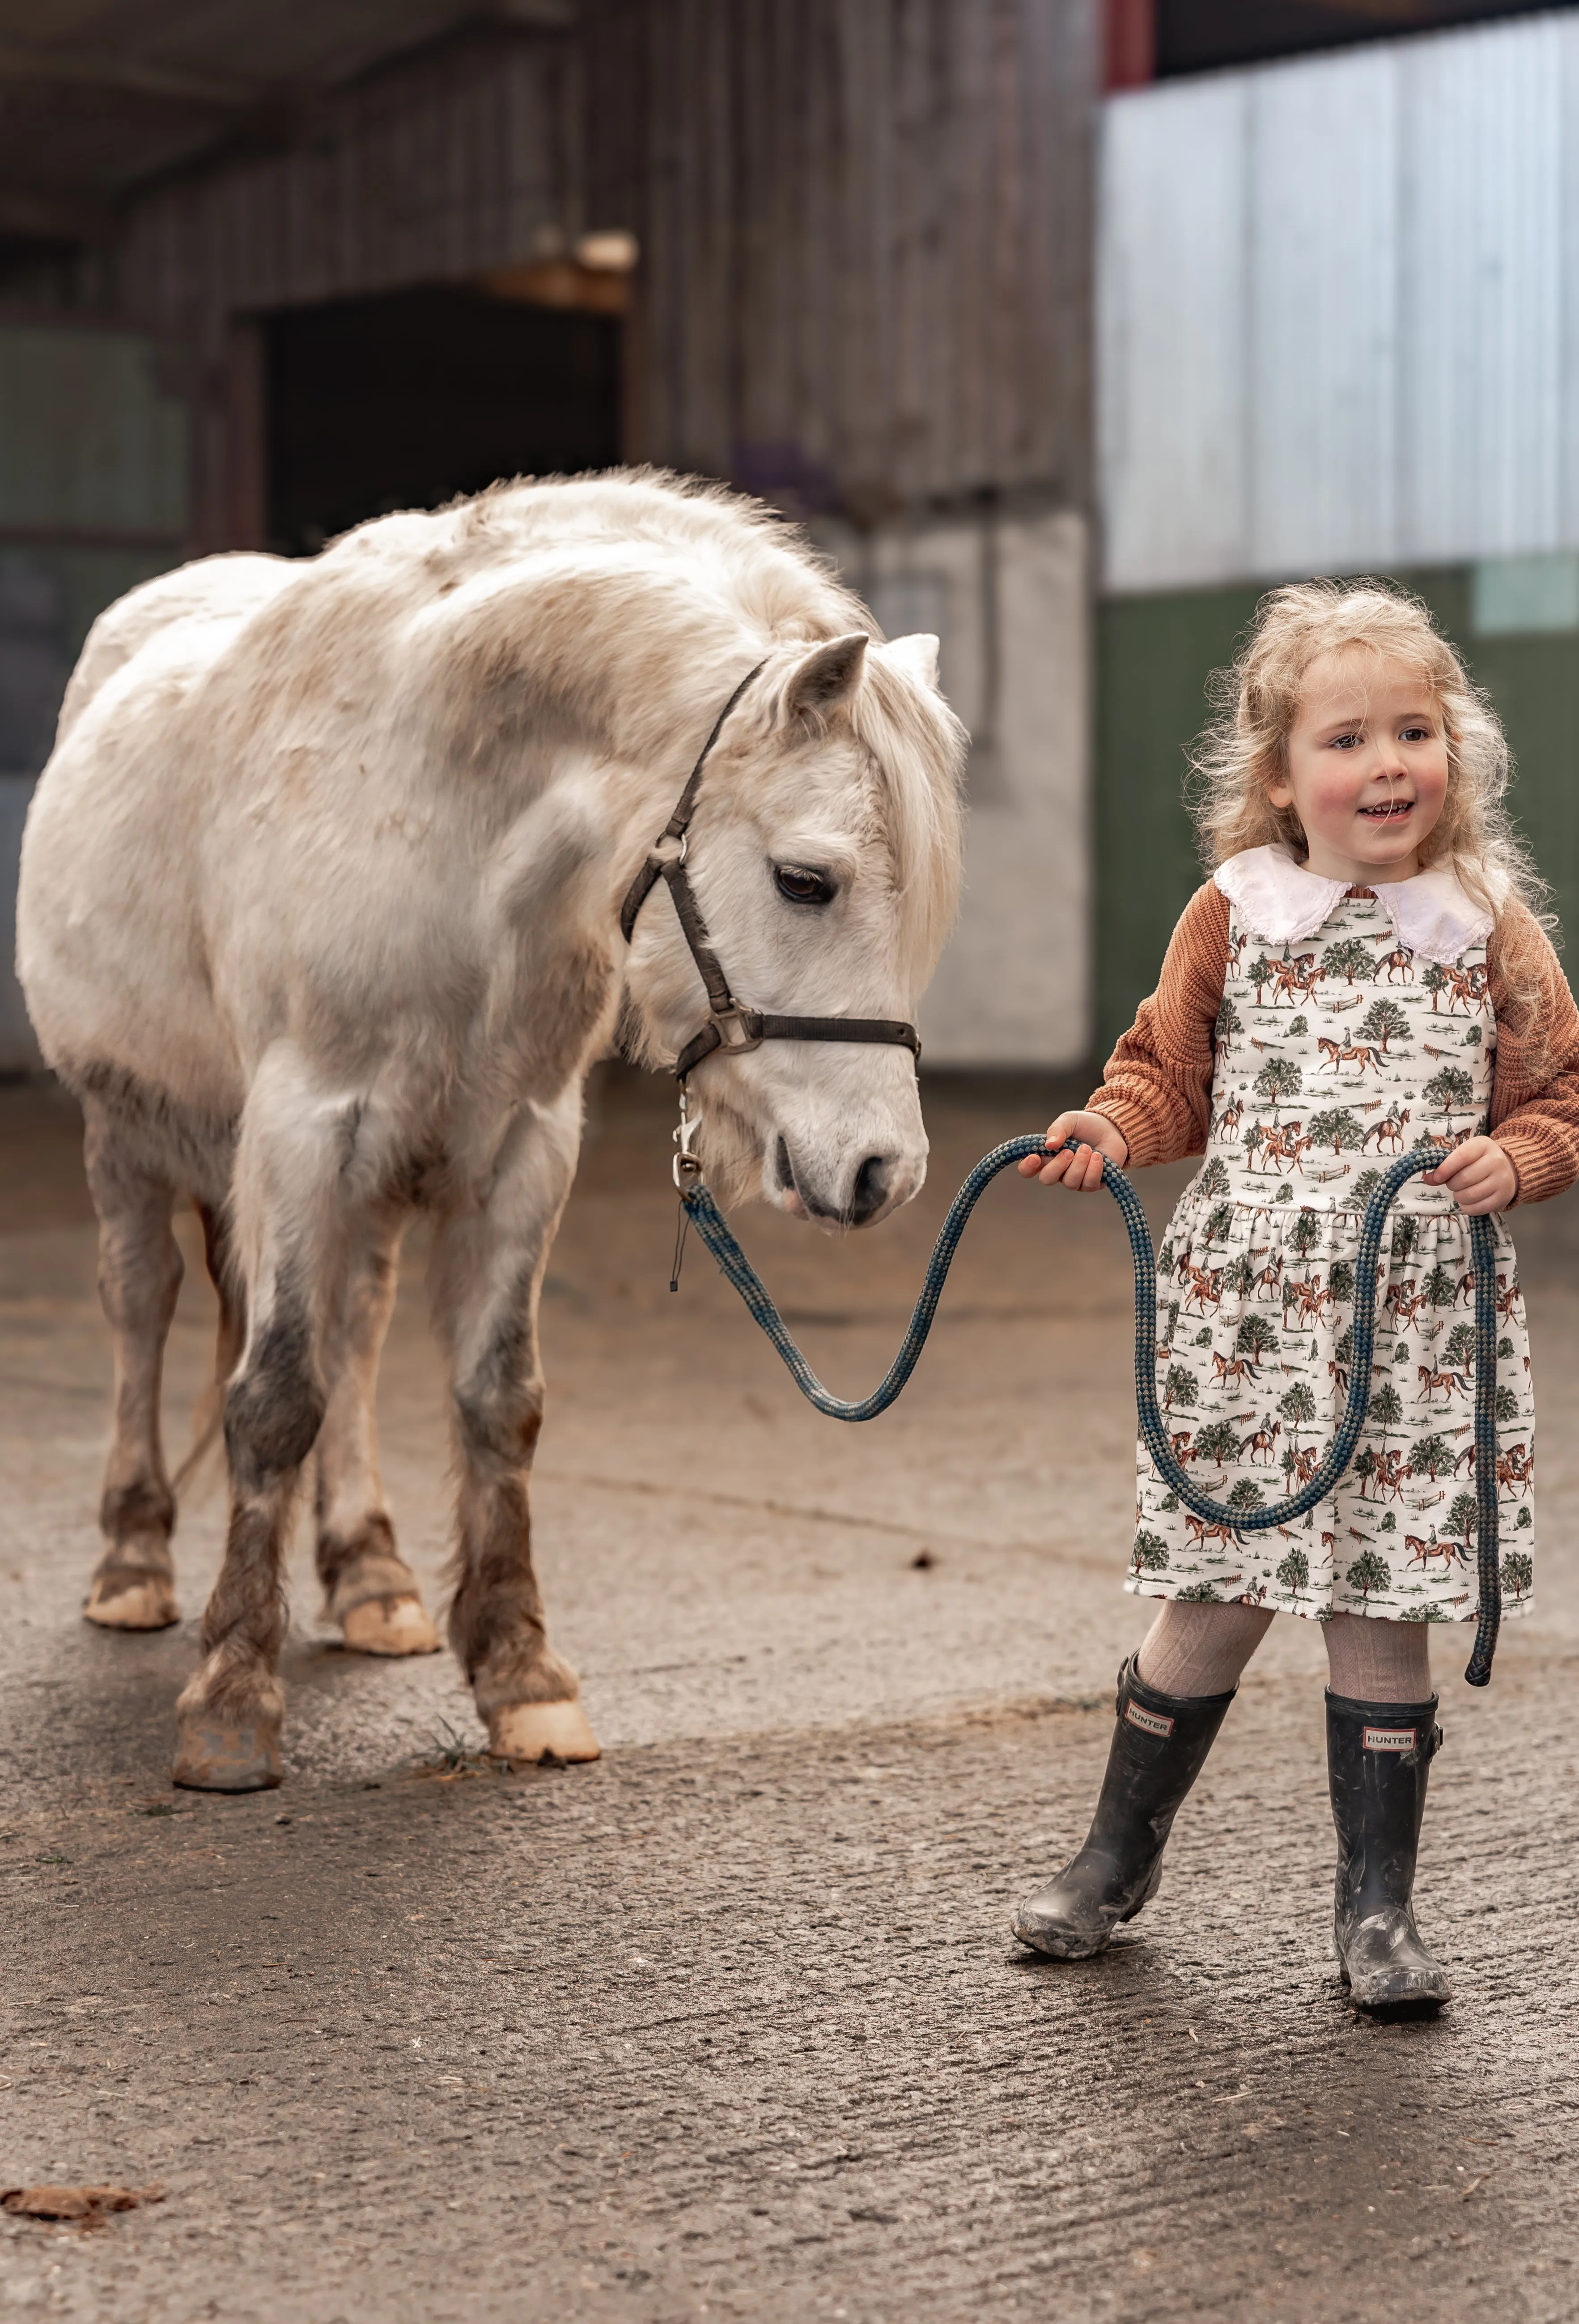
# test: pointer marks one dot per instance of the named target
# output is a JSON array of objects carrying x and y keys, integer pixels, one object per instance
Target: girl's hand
[
  {"x": 1479, "y": 1172},
  {"x": 1081, "y": 1171}
]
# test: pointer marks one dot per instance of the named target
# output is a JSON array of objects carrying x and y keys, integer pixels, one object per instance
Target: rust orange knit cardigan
[{"x": 1157, "y": 1086}]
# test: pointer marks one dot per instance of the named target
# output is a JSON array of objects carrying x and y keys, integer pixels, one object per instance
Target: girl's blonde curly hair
[{"x": 1245, "y": 749}]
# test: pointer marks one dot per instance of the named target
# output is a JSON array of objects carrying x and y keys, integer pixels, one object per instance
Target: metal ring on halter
[{"x": 734, "y": 1029}]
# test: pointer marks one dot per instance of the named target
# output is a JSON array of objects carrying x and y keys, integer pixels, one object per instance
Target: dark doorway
[
  {"x": 403, "y": 401},
  {"x": 1196, "y": 35}
]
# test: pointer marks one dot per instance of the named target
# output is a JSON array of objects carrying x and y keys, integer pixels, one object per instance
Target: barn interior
[{"x": 265, "y": 272}]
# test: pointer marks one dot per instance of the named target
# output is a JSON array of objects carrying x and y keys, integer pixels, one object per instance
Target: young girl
[{"x": 1361, "y": 972}]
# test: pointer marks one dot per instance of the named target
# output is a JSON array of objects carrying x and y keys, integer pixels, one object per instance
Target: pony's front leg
[
  {"x": 291, "y": 1203},
  {"x": 367, "y": 1587},
  {"x": 488, "y": 1272}
]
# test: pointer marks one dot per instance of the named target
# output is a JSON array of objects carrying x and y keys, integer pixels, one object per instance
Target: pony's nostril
[
  {"x": 870, "y": 1191},
  {"x": 781, "y": 1164}
]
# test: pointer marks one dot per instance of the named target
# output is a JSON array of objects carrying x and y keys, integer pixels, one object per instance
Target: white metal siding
[
  {"x": 1338, "y": 311},
  {"x": 1171, "y": 333},
  {"x": 1320, "y": 225}
]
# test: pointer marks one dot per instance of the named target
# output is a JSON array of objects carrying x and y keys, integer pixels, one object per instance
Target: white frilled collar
[{"x": 1281, "y": 902}]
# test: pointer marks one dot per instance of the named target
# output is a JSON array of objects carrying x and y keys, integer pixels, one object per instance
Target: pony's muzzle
[{"x": 874, "y": 1186}]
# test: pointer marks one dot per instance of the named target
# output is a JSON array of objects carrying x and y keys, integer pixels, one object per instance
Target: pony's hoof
[
  {"x": 130, "y": 1597},
  {"x": 527, "y": 1733},
  {"x": 390, "y": 1626},
  {"x": 214, "y": 1758}
]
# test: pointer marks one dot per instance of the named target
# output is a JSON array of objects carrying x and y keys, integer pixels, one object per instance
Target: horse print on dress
[
  {"x": 319, "y": 916},
  {"x": 1266, "y": 1241}
]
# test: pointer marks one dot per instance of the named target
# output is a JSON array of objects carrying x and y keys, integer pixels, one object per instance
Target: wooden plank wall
[
  {"x": 865, "y": 229},
  {"x": 866, "y": 234},
  {"x": 435, "y": 169}
]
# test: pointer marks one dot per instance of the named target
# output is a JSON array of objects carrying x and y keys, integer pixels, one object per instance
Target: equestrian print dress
[{"x": 1335, "y": 1052}]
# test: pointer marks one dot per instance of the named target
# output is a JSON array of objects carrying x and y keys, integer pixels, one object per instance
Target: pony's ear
[
  {"x": 828, "y": 676},
  {"x": 917, "y": 656}
]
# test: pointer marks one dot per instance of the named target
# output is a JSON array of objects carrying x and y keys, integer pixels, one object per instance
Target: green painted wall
[
  {"x": 91, "y": 435},
  {"x": 1154, "y": 658},
  {"x": 94, "y": 490}
]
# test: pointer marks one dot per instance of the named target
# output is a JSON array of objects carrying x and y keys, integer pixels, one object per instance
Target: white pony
[{"x": 319, "y": 917}]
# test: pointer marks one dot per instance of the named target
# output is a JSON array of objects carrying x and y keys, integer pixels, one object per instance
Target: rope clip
[{"x": 687, "y": 1165}]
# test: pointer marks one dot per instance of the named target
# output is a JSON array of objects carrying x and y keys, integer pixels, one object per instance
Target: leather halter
[{"x": 729, "y": 1026}]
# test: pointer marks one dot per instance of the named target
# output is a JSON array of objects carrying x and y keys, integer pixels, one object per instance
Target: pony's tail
[
  {"x": 207, "y": 1427},
  {"x": 208, "y": 1413}
]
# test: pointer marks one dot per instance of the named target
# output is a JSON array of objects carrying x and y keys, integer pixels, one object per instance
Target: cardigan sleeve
[
  {"x": 1157, "y": 1086},
  {"x": 1534, "y": 1087}
]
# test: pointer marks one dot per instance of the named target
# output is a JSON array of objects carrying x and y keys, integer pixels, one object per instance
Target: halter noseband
[{"x": 729, "y": 1026}]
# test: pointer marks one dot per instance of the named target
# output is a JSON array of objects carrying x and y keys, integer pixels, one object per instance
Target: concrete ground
[{"x": 730, "y": 2024}]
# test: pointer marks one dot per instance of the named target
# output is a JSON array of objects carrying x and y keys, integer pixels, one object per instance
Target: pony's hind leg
[
  {"x": 368, "y": 1587},
  {"x": 289, "y": 1218},
  {"x": 139, "y": 1278},
  {"x": 488, "y": 1268}
]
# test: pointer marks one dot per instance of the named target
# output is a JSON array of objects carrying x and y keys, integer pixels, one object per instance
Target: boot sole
[
  {"x": 1386, "y": 2003},
  {"x": 1077, "y": 1949},
  {"x": 1051, "y": 1950},
  {"x": 1397, "y": 2004}
]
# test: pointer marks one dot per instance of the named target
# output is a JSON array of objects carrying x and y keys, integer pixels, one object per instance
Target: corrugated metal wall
[
  {"x": 866, "y": 228},
  {"x": 1338, "y": 311}
]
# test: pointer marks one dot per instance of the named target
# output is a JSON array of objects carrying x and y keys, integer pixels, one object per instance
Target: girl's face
[{"x": 1367, "y": 767}]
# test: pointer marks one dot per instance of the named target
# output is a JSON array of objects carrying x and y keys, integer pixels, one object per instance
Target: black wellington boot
[
  {"x": 1159, "y": 1747},
  {"x": 1379, "y": 1756}
]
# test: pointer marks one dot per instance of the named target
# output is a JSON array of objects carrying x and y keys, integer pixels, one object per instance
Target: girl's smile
[{"x": 1366, "y": 767}]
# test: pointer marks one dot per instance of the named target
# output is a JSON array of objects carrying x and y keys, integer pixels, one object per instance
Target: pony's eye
[{"x": 802, "y": 885}]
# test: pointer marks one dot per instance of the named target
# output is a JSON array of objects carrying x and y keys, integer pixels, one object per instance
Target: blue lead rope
[{"x": 712, "y": 1226}]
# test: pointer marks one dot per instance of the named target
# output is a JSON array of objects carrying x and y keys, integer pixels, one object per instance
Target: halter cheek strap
[{"x": 729, "y": 1026}]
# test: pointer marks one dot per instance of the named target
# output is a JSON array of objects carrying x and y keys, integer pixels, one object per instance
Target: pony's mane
[
  {"x": 919, "y": 748},
  {"x": 781, "y": 580},
  {"x": 773, "y": 582}
]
